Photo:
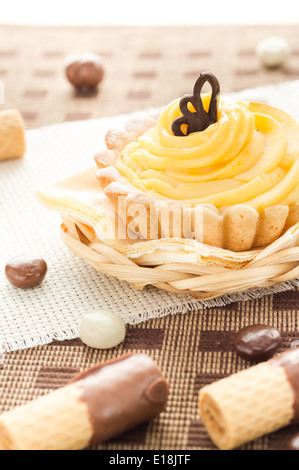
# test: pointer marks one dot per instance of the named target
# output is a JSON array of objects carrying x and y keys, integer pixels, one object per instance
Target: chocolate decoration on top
[
  {"x": 289, "y": 360},
  {"x": 200, "y": 119},
  {"x": 122, "y": 394}
]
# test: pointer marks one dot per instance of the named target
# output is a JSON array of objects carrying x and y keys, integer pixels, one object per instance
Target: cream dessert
[{"x": 240, "y": 172}]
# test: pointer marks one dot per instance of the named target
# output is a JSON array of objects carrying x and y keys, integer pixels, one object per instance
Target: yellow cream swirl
[{"x": 250, "y": 155}]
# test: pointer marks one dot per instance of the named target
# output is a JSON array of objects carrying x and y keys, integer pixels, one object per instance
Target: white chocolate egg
[
  {"x": 102, "y": 329},
  {"x": 273, "y": 51}
]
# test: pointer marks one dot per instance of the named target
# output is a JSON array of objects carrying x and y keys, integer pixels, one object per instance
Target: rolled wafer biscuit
[
  {"x": 12, "y": 135},
  {"x": 97, "y": 405},
  {"x": 253, "y": 402}
]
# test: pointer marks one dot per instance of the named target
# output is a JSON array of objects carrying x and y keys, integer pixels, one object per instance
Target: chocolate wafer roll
[
  {"x": 12, "y": 135},
  {"x": 252, "y": 402},
  {"x": 97, "y": 405}
]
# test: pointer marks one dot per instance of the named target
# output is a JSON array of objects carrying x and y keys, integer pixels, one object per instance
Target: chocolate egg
[
  {"x": 25, "y": 271},
  {"x": 84, "y": 71},
  {"x": 257, "y": 343}
]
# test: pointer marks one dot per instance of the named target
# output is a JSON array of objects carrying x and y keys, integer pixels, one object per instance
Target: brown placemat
[{"x": 145, "y": 66}]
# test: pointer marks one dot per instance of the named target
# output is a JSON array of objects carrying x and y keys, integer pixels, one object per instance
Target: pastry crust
[{"x": 238, "y": 227}]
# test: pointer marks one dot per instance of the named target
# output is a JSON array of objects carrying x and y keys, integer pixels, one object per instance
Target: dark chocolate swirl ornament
[{"x": 200, "y": 119}]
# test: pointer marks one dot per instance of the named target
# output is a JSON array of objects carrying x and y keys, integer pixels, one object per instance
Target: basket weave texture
[{"x": 269, "y": 268}]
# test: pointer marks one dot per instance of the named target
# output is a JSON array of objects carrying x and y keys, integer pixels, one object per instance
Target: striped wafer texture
[
  {"x": 58, "y": 421},
  {"x": 251, "y": 403}
]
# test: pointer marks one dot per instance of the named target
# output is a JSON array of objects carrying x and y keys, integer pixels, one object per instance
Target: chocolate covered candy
[
  {"x": 257, "y": 343},
  {"x": 84, "y": 71},
  {"x": 26, "y": 272},
  {"x": 102, "y": 329},
  {"x": 99, "y": 404}
]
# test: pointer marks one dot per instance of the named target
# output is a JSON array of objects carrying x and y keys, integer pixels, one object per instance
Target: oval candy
[
  {"x": 102, "y": 329},
  {"x": 257, "y": 343},
  {"x": 25, "y": 271}
]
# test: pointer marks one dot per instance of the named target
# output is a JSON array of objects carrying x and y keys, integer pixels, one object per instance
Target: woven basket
[{"x": 200, "y": 281}]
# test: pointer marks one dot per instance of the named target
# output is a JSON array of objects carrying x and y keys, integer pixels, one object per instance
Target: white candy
[
  {"x": 102, "y": 329},
  {"x": 273, "y": 51}
]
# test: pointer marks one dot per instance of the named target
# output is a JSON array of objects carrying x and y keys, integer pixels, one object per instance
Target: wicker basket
[{"x": 269, "y": 268}]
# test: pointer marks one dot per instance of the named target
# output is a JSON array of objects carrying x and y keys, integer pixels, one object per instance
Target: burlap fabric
[{"x": 144, "y": 67}]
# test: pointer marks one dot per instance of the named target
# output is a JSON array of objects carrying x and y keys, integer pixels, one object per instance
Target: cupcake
[
  {"x": 222, "y": 172},
  {"x": 208, "y": 181}
]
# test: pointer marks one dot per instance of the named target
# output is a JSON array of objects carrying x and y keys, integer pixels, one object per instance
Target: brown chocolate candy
[
  {"x": 26, "y": 272},
  {"x": 257, "y": 343},
  {"x": 84, "y": 71},
  {"x": 293, "y": 444}
]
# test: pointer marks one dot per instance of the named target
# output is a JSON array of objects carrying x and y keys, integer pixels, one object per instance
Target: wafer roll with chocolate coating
[
  {"x": 12, "y": 135},
  {"x": 97, "y": 405},
  {"x": 253, "y": 402}
]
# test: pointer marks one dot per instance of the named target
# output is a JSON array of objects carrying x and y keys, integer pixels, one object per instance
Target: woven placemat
[
  {"x": 195, "y": 348},
  {"x": 145, "y": 66}
]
